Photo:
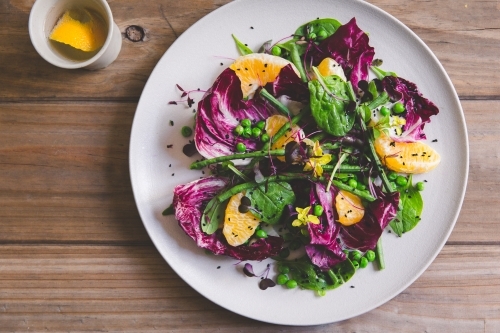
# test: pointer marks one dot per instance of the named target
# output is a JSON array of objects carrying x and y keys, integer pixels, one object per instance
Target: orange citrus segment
[
  {"x": 406, "y": 157},
  {"x": 238, "y": 227},
  {"x": 328, "y": 67},
  {"x": 349, "y": 207},
  {"x": 80, "y": 29},
  {"x": 273, "y": 125},
  {"x": 257, "y": 69}
]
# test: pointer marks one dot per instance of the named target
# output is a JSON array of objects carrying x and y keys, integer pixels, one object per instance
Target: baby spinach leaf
[
  {"x": 213, "y": 215},
  {"x": 310, "y": 277},
  {"x": 327, "y": 24},
  {"x": 409, "y": 211},
  {"x": 270, "y": 199},
  {"x": 412, "y": 208},
  {"x": 242, "y": 48},
  {"x": 315, "y": 26},
  {"x": 397, "y": 223},
  {"x": 328, "y": 105}
]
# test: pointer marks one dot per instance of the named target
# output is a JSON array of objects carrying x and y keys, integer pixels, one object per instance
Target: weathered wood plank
[
  {"x": 64, "y": 174},
  {"x": 130, "y": 288},
  {"x": 461, "y": 37}
]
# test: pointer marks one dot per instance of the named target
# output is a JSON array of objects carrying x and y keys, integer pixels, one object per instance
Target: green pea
[
  {"x": 392, "y": 175},
  {"x": 322, "y": 34},
  {"x": 247, "y": 132},
  {"x": 276, "y": 50},
  {"x": 256, "y": 132},
  {"x": 265, "y": 137},
  {"x": 352, "y": 183},
  {"x": 240, "y": 147},
  {"x": 246, "y": 122},
  {"x": 356, "y": 255},
  {"x": 261, "y": 124},
  {"x": 398, "y": 108},
  {"x": 312, "y": 35},
  {"x": 282, "y": 279},
  {"x": 401, "y": 181},
  {"x": 420, "y": 186},
  {"x": 261, "y": 233},
  {"x": 355, "y": 263},
  {"x": 284, "y": 269},
  {"x": 370, "y": 255},
  {"x": 290, "y": 284},
  {"x": 385, "y": 111},
  {"x": 363, "y": 262},
  {"x": 186, "y": 131},
  {"x": 318, "y": 210},
  {"x": 238, "y": 130},
  {"x": 361, "y": 187}
]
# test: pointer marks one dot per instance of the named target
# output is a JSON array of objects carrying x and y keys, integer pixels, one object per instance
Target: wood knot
[{"x": 134, "y": 33}]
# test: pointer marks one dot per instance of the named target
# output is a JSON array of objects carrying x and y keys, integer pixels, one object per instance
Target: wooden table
[{"x": 74, "y": 255}]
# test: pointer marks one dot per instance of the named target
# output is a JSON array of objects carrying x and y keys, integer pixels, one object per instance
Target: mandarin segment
[
  {"x": 349, "y": 207},
  {"x": 328, "y": 67},
  {"x": 238, "y": 227},
  {"x": 257, "y": 69},
  {"x": 273, "y": 125},
  {"x": 80, "y": 29},
  {"x": 406, "y": 157}
]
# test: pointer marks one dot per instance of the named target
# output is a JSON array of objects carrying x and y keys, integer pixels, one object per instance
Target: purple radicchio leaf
[
  {"x": 189, "y": 202},
  {"x": 349, "y": 47},
  {"x": 365, "y": 234},
  {"x": 220, "y": 111},
  {"x": 289, "y": 84},
  {"x": 418, "y": 108},
  {"x": 324, "y": 251}
]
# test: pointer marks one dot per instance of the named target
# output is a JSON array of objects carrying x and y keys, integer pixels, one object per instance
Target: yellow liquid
[{"x": 72, "y": 53}]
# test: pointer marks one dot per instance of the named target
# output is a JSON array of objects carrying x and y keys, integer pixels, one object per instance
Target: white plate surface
[{"x": 193, "y": 61}]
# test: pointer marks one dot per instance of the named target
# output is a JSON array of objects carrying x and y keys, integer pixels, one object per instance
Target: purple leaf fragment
[
  {"x": 248, "y": 270},
  {"x": 266, "y": 283}
]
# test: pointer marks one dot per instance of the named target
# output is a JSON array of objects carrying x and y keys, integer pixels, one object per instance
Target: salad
[{"x": 310, "y": 160}]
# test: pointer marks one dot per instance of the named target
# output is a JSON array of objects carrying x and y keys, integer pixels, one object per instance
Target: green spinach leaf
[
  {"x": 309, "y": 277},
  {"x": 269, "y": 200},
  {"x": 213, "y": 215},
  {"x": 328, "y": 105},
  {"x": 409, "y": 211}
]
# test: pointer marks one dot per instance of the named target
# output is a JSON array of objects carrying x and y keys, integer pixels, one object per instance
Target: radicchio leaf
[
  {"x": 220, "y": 111},
  {"x": 349, "y": 47},
  {"x": 365, "y": 234},
  {"x": 323, "y": 250},
  {"x": 418, "y": 108},
  {"x": 189, "y": 202},
  {"x": 289, "y": 84}
]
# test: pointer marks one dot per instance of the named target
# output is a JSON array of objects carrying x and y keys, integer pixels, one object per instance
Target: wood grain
[
  {"x": 124, "y": 288},
  {"x": 463, "y": 38}
]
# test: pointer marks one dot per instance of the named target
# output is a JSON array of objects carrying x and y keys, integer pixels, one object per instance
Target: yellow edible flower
[
  {"x": 317, "y": 160},
  {"x": 304, "y": 217}
]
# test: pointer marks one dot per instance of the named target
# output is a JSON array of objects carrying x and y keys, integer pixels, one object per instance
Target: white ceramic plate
[{"x": 194, "y": 61}]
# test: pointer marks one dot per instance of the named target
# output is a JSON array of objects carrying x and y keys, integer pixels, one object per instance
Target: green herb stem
[
  {"x": 380, "y": 100},
  {"x": 260, "y": 153},
  {"x": 295, "y": 56},
  {"x": 277, "y": 104},
  {"x": 380, "y": 254}
]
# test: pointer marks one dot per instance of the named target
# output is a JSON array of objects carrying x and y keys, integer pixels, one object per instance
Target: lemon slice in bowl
[{"x": 81, "y": 29}]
